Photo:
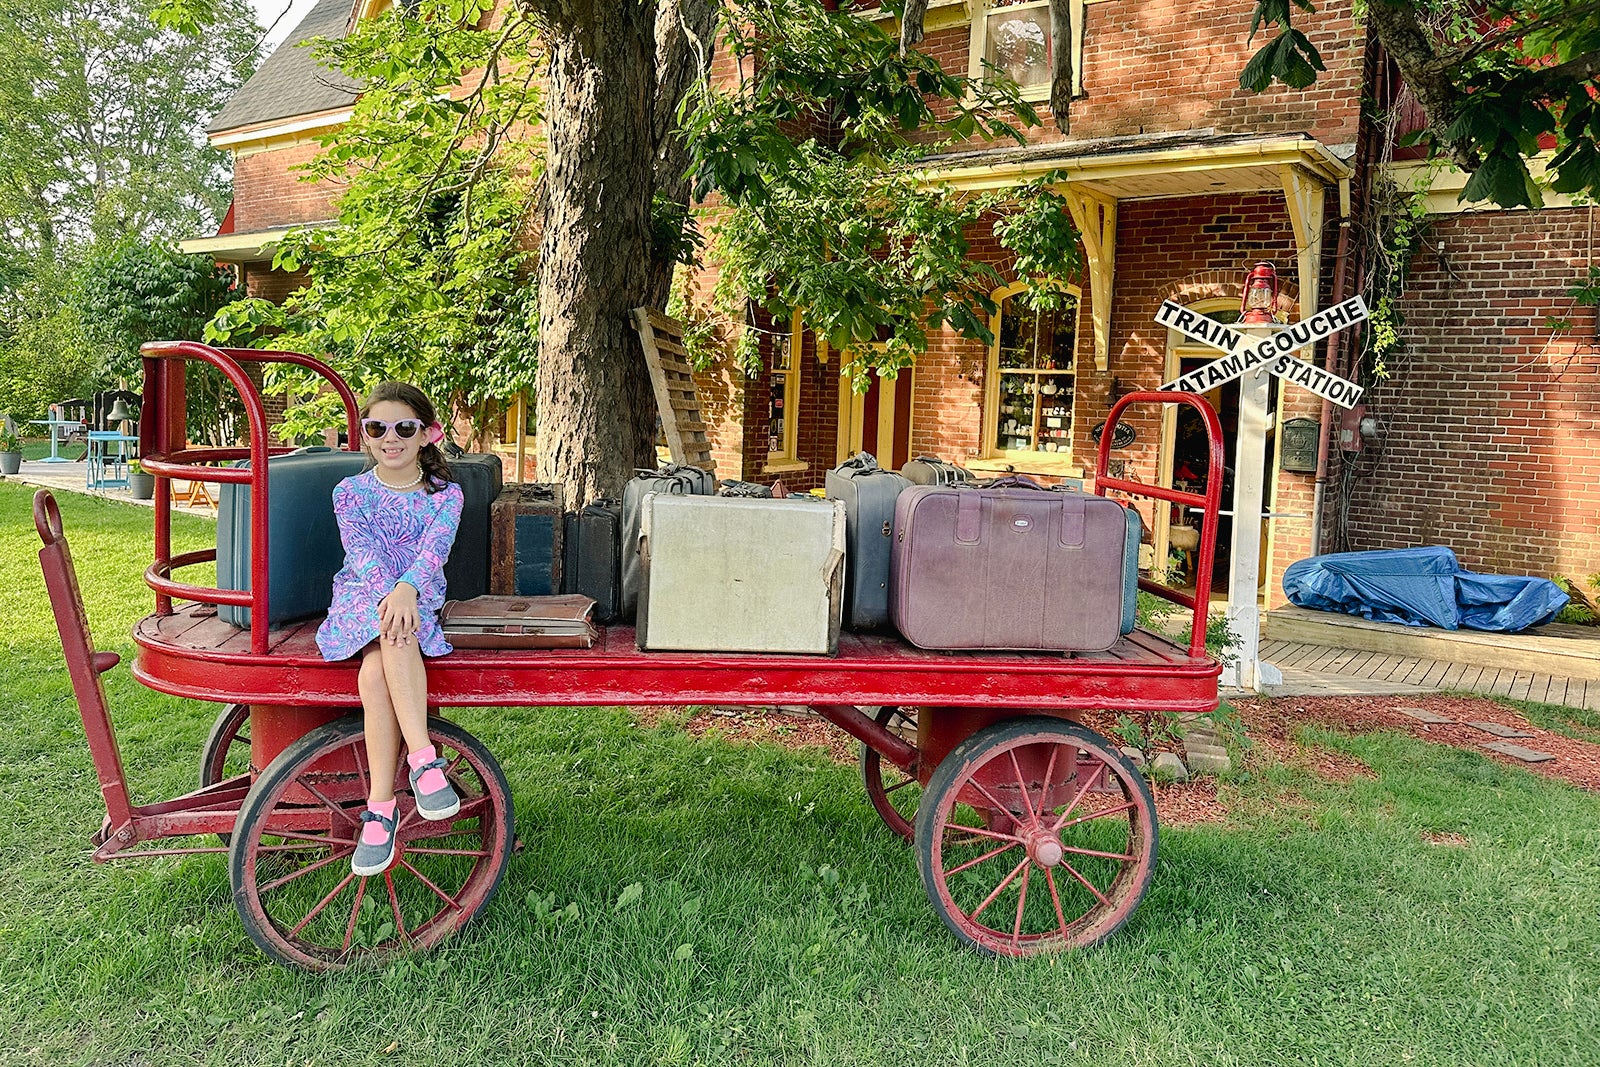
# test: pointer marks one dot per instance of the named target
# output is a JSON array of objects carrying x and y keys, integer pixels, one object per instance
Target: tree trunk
[
  {"x": 686, "y": 35},
  {"x": 597, "y": 413}
]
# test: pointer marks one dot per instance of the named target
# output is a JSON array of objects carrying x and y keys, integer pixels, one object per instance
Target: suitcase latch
[{"x": 886, "y": 530}]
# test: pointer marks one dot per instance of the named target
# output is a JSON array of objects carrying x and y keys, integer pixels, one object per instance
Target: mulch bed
[{"x": 1270, "y": 724}]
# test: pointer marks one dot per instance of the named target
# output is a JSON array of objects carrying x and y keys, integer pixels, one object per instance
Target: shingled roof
[{"x": 291, "y": 82}]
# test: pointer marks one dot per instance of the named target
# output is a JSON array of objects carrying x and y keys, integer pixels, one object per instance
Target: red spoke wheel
[
  {"x": 290, "y": 863},
  {"x": 893, "y": 792},
  {"x": 1035, "y": 835},
  {"x": 227, "y": 751}
]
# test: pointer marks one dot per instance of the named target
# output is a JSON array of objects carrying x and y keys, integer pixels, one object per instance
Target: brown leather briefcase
[{"x": 520, "y": 622}]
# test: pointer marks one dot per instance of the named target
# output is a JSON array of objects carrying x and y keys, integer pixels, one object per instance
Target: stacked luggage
[
  {"x": 948, "y": 562},
  {"x": 303, "y": 534}
]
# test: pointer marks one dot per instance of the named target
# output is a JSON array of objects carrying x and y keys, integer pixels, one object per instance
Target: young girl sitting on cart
[{"x": 397, "y": 520}]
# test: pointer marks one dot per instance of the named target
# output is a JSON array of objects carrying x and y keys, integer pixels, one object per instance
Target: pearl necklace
[{"x": 399, "y": 488}]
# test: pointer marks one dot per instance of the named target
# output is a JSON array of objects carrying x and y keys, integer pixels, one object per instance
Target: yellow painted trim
[
  {"x": 371, "y": 9},
  {"x": 1096, "y": 219},
  {"x": 1311, "y": 155},
  {"x": 285, "y": 133},
  {"x": 238, "y": 247},
  {"x": 791, "y": 400},
  {"x": 1441, "y": 183}
]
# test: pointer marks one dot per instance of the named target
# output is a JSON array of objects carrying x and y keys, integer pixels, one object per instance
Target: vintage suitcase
[
  {"x": 730, "y": 575},
  {"x": 869, "y": 493},
  {"x": 673, "y": 479},
  {"x": 302, "y": 534},
  {"x": 591, "y": 564},
  {"x": 1009, "y": 567},
  {"x": 526, "y": 529},
  {"x": 519, "y": 622},
  {"x": 466, "y": 572},
  {"x": 926, "y": 470}
]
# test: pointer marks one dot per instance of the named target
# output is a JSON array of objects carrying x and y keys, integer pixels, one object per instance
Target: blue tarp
[{"x": 1421, "y": 587}]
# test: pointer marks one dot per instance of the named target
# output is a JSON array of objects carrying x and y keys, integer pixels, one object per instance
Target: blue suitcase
[
  {"x": 301, "y": 530},
  {"x": 869, "y": 493}
]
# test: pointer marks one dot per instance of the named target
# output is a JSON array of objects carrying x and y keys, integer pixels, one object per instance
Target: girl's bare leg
[
  {"x": 407, "y": 681},
  {"x": 383, "y": 734}
]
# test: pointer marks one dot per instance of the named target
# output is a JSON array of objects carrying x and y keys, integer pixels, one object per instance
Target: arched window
[{"x": 1032, "y": 382}]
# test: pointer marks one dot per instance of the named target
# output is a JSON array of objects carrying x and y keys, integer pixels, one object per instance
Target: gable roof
[{"x": 291, "y": 82}]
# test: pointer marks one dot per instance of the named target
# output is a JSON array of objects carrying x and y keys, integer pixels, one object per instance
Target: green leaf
[{"x": 629, "y": 896}]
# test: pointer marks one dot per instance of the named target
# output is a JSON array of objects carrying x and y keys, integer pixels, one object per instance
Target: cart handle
[
  {"x": 1211, "y": 502},
  {"x": 164, "y": 452}
]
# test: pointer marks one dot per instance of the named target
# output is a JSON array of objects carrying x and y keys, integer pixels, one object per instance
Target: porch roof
[
  {"x": 1148, "y": 166},
  {"x": 253, "y": 247}
]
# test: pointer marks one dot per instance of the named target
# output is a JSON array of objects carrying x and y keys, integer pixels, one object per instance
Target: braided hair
[{"x": 435, "y": 469}]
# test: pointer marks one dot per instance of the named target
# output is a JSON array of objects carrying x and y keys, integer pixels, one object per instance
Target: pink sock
[
  {"x": 432, "y": 780},
  {"x": 371, "y": 832}
]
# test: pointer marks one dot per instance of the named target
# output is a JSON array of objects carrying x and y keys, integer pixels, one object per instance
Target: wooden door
[{"x": 877, "y": 421}]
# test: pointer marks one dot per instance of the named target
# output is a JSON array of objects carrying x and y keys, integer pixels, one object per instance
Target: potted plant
[
  {"x": 10, "y": 451},
  {"x": 141, "y": 483}
]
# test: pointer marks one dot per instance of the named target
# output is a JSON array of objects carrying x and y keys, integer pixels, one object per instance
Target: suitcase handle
[
  {"x": 1014, "y": 481},
  {"x": 861, "y": 461}
]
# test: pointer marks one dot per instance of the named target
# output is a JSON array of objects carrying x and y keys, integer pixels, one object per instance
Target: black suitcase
[
  {"x": 676, "y": 479},
  {"x": 302, "y": 534},
  {"x": 466, "y": 572},
  {"x": 526, "y": 527},
  {"x": 869, "y": 493},
  {"x": 927, "y": 470},
  {"x": 591, "y": 563}
]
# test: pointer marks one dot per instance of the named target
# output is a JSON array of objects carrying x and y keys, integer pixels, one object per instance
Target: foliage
[
  {"x": 843, "y": 226},
  {"x": 1150, "y": 732},
  {"x": 1492, "y": 79},
  {"x": 424, "y": 277},
  {"x": 45, "y": 353},
  {"x": 101, "y": 111},
  {"x": 1402, "y": 222},
  {"x": 9, "y": 440},
  {"x": 148, "y": 291}
]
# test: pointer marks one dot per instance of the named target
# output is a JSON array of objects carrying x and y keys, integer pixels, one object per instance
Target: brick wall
[
  {"x": 1160, "y": 67},
  {"x": 1490, "y": 423},
  {"x": 268, "y": 192}
]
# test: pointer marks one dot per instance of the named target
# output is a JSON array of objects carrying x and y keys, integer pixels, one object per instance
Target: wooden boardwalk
[{"x": 1321, "y": 670}]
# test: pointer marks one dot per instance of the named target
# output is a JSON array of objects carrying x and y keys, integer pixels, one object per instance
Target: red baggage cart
[{"x": 1032, "y": 832}]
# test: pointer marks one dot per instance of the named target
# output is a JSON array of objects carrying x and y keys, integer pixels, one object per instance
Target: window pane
[
  {"x": 1018, "y": 43},
  {"x": 776, "y": 390}
]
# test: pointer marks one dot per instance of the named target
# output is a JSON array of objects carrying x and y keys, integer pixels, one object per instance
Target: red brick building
[{"x": 1482, "y": 438}]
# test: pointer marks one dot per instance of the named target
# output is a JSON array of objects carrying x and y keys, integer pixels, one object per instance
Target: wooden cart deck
[{"x": 192, "y": 653}]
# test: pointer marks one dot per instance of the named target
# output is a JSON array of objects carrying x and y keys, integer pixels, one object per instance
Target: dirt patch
[
  {"x": 1576, "y": 762},
  {"x": 1177, "y": 803},
  {"x": 792, "y": 730},
  {"x": 1448, "y": 840}
]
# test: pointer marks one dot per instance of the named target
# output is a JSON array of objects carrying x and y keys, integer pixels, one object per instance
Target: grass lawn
[{"x": 1318, "y": 925}]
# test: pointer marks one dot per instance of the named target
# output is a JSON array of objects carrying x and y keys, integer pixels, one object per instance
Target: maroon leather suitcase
[{"x": 1013, "y": 567}]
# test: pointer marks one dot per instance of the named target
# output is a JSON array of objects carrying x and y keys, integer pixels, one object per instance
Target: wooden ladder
[{"x": 673, "y": 380}]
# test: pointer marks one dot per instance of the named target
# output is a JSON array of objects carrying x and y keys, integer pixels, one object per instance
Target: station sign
[{"x": 1274, "y": 353}]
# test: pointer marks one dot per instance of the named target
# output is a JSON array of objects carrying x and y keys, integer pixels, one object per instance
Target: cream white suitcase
[{"x": 731, "y": 574}]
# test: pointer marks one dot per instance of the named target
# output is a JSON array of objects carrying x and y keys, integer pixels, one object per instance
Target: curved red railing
[
  {"x": 165, "y": 453},
  {"x": 1210, "y": 502}
]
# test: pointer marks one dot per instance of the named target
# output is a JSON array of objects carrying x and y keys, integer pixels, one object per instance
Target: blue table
[
  {"x": 107, "y": 467},
  {"x": 53, "y": 457}
]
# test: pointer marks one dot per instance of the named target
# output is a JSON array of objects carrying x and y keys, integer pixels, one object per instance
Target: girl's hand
[{"x": 397, "y": 614}]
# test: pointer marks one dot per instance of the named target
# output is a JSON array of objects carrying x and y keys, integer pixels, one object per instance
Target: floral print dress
[{"x": 389, "y": 537}]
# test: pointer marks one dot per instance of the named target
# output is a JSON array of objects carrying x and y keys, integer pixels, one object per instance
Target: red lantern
[{"x": 1260, "y": 298}]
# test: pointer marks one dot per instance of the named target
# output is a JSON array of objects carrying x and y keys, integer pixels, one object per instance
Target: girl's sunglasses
[{"x": 405, "y": 429}]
